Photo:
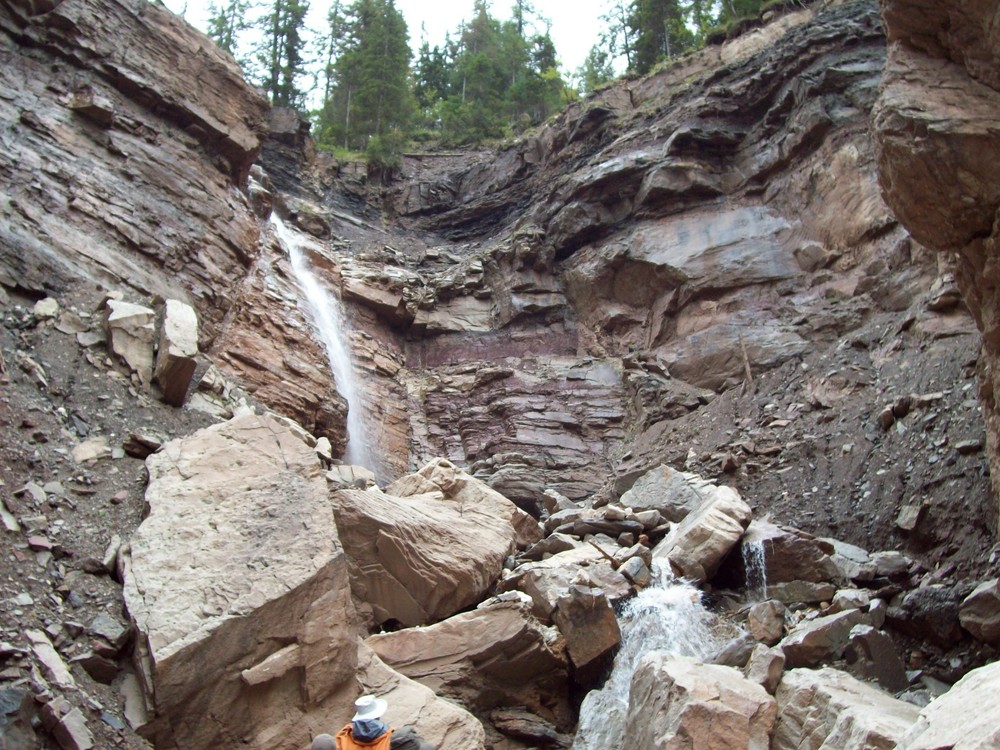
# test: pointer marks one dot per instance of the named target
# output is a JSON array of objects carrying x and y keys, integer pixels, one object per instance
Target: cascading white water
[
  {"x": 327, "y": 316},
  {"x": 756, "y": 570},
  {"x": 667, "y": 616}
]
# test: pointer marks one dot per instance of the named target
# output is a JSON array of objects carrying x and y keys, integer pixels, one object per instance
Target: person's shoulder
[{"x": 406, "y": 738}]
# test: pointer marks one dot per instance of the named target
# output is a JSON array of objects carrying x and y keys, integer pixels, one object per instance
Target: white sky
[{"x": 575, "y": 23}]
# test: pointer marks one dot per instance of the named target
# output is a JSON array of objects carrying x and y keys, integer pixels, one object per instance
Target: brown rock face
[
  {"x": 936, "y": 130},
  {"x": 119, "y": 170}
]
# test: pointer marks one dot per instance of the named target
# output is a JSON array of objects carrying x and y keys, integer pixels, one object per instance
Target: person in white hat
[{"x": 367, "y": 731}]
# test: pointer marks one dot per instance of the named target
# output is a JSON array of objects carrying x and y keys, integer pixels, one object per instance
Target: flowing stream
[
  {"x": 328, "y": 318},
  {"x": 667, "y": 616}
]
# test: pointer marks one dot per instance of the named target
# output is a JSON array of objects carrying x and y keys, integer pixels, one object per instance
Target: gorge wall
[
  {"x": 561, "y": 313},
  {"x": 937, "y": 125}
]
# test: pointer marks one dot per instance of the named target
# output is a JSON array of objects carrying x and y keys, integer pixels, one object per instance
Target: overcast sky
[{"x": 575, "y": 24}]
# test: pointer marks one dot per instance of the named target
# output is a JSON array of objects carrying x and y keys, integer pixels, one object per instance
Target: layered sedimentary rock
[
  {"x": 119, "y": 171},
  {"x": 936, "y": 129},
  {"x": 238, "y": 589}
]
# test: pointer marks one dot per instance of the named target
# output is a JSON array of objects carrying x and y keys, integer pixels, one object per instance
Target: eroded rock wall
[
  {"x": 115, "y": 168},
  {"x": 937, "y": 125}
]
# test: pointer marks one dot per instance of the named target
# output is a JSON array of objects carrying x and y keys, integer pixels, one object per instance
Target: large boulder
[
  {"x": 677, "y": 703},
  {"x": 440, "y": 722},
  {"x": 238, "y": 590},
  {"x": 823, "y": 639},
  {"x": 420, "y": 558},
  {"x": 696, "y": 546},
  {"x": 673, "y": 493},
  {"x": 496, "y": 655},
  {"x": 463, "y": 490},
  {"x": 131, "y": 330},
  {"x": 792, "y": 555},
  {"x": 826, "y": 709},
  {"x": 588, "y": 623},
  {"x": 964, "y": 718},
  {"x": 546, "y": 580}
]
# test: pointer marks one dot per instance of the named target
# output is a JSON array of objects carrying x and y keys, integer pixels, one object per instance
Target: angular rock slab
[
  {"x": 585, "y": 618},
  {"x": 546, "y": 580},
  {"x": 175, "y": 354},
  {"x": 792, "y": 555},
  {"x": 464, "y": 490},
  {"x": 964, "y": 718},
  {"x": 826, "y": 709},
  {"x": 440, "y": 722},
  {"x": 422, "y": 558},
  {"x": 676, "y": 703},
  {"x": 238, "y": 589},
  {"x": 696, "y": 546},
  {"x": 822, "y": 639},
  {"x": 673, "y": 493},
  {"x": 131, "y": 331},
  {"x": 980, "y": 612},
  {"x": 497, "y": 655}
]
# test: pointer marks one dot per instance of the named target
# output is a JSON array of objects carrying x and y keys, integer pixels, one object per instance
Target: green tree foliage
[
  {"x": 504, "y": 76},
  {"x": 227, "y": 22},
  {"x": 281, "y": 51},
  {"x": 660, "y": 31},
  {"x": 596, "y": 70},
  {"x": 369, "y": 95}
]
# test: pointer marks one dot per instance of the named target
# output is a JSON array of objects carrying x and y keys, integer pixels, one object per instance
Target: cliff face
[
  {"x": 937, "y": 124},
  {"x": 563, "y": 313},
  {"x": 118, "y": 169},
  {"x": 697, "y": 267}
]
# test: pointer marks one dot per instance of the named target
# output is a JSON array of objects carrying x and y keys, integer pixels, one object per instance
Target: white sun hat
[{"x": 369, "y": 707}]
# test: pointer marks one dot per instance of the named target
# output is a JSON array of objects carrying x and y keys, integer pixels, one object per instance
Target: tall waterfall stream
[
  {"x": 328, "y": 318},
  {"x": 667, "y": 616}
]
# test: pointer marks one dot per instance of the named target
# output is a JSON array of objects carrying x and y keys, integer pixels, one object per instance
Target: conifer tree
[
  {"x": 280, "y": 52},
  {"x": 227, "y": 22},
  {"x": 370, "y": 96}
]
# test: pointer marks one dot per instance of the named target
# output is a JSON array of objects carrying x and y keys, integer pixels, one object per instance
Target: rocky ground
[{"x": 64, "y": 517}]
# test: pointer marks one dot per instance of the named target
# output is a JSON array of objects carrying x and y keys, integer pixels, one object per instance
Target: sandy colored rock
[
  {"x": 131, "y": 331},
  {"x": 825, "y": 709},
  {"x": 496, "y": 655},
  {"x": 979, "y": 612},
  {"x": 819, "y": 640},
  {"x": 765, "y": 667},
  {"x": 964, "y": 718},
  {"x": 766, "y": 621},
  {"x": 679, "y": 704},
  {"x": 175, "y": 354},
  {"x": 422, "y": 558},
  {"x": 238, "y": 561},
  {"x": 440, "y": 722},
  {"x": 546, "y": 580},
  {"x": 696, "y": 546},
  {"x": 584, "y": 617},
  {"x": 673, "y": 493}
]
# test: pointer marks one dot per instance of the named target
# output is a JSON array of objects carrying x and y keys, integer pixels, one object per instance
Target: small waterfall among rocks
[
  {"x": 756, "y": 570},
  {"x": 327, "y": 315},
  {"x": 668, "y": 616}
]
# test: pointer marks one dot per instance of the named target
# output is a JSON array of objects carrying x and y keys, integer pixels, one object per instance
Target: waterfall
[
  {"x": 756, "y": 570},
  {"x": 667, "y": 616},
  {"x": 328, "y": 318}
]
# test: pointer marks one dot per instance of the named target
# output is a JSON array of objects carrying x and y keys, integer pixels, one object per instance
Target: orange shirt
[{"x": 345, "y": 741}]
